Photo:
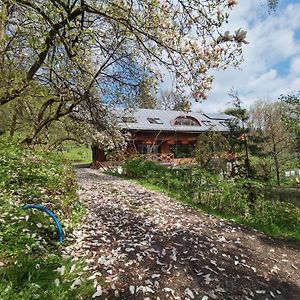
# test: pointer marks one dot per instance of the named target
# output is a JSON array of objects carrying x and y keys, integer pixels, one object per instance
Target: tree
[
  {"x": 145, "y": 95},
  {"x": 239, "y": 132},
  {"x": 267, "y": 119},
  {"x": 81, "y": 51},
  {"x": 24, "y": 120},
  {"x": 170, "y": 100},
  {"x": 273, "y": 4},
  {"x": 210, "y": 151},
  {"x": 292, "y": 119}
]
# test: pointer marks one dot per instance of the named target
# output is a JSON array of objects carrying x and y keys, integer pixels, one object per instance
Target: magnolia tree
[{"x": 68, "y": 54}]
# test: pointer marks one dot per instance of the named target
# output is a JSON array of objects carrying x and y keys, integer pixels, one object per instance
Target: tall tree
[
  {"x": 170, "y": 100},
  {"x": 267, "y": 119},
  {"x": 292, "y": 119},
  {"x": 239, "y": 132},
  {"x": 145, "y": 95}
]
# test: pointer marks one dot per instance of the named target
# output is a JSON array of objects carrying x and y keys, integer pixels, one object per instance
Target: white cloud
[
  {"x": 295, "y": 66},
  {"x": 271, "y": 61}
]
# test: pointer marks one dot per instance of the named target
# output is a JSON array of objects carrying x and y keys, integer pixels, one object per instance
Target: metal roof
[{"x": 167, "y": 117}]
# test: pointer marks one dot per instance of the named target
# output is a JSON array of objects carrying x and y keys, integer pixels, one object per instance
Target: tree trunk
[
  {"x": 275, "y": 156},
  {"x": 277, "y": 169},
  {"x": 13, "y": 124}
]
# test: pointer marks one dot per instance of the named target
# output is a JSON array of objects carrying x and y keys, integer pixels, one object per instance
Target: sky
[{"x": 271, "y": 65}]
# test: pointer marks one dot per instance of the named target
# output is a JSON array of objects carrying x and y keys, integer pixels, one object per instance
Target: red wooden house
[{"x": 165, "y": 135}]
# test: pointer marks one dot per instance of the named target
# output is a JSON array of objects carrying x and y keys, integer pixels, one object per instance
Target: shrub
[
  {"x": 218, "y": 194},
  {"x": 247, "y": 199},
  {"x": 278, "y": 214},
  {"x": 139, "y": 167}
]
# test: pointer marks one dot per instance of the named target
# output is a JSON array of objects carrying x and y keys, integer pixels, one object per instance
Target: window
[
  {"x": 207, "y": 123},
  {"x": 155, "y": 121},
  {"x": 186, "y": 121},
  {"x": 182, "y": 151},
  {"x": 147, "y": 149},
  {"x": 223, "y": 123}
]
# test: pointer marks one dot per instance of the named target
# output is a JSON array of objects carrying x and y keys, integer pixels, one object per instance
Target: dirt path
[{"x": 146, "y": 246}]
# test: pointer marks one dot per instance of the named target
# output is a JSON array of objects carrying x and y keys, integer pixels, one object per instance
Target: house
[{"x": 165, "y": 135}]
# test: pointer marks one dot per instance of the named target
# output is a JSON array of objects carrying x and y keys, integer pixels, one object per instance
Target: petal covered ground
[{"x": 140, "y": 244}]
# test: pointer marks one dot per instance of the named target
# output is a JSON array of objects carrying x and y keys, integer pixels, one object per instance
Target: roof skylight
[
  {"x": 207, "y": 123},
  {"x": 155, "y": 121},
  {"x": 223, "y": 123}
]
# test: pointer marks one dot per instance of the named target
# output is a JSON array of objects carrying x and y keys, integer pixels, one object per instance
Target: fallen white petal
[
  {"x": 56, "y": 282},
  {"x": 189, "y": 292},
  {"x": 132, "y": 289},
  {"x": 98, "y": 292}
]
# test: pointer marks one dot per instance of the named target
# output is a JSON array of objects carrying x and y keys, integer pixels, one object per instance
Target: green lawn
[{"x": 78, "y": 154}]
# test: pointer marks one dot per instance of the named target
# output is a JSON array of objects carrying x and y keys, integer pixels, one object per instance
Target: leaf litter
[{"x": 164, "y": 250}]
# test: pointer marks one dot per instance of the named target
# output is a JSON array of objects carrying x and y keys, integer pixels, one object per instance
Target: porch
[
  {"x": 169, "y": 158},
  {"x": 162, "y": 158}
]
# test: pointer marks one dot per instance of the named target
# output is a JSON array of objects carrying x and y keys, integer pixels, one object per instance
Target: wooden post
[{"x": 98, "y": 156}]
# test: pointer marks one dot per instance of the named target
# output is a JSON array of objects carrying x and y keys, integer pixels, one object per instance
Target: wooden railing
[
  {"x": 169, "y": 158},
  {"x": 105, "y": 164},
  {"x": 161, "y": 157}
]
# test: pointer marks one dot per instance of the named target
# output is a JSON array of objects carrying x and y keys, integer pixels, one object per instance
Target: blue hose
[{"x": 51, "y": 215}]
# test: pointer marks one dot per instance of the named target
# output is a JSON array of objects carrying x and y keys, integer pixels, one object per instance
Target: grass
[
  {"x": 273, "y": 231},
  {"x": 42, "y": 278},
  {"x": 31, "y": 264},
  {"x": 212, "y": 194},
  {"x": 78, "y": 154},
  {"x": 31, "y": 256}
]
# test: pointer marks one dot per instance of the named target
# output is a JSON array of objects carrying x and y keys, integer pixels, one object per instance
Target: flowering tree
[{"x": 78, "y": 50}]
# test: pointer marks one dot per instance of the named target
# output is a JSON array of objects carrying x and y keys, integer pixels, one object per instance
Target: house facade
[{"x": 165, "y": 135}]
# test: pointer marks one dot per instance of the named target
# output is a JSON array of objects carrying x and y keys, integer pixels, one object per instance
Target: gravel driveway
[{"x": 140, "y": 244}]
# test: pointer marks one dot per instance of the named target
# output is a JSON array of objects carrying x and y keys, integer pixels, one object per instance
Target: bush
[
  {"x": 221, "y": 195},
  {"x": 281, "y": 215},
  {"x": 138, "y": 167},
  {"x": 248, "y": 200}
]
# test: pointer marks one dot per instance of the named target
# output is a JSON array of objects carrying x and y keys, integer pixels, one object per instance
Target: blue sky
[{"x": 271, "y": 64}]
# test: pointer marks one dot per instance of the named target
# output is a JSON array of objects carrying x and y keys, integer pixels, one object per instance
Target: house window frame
[
  {"x": 148, "y": 149},
  {"x": 192, "y": 121}
]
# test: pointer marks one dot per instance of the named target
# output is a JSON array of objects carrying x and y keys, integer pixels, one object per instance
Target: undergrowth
[
  {"x": 31, "y": 266},
  {"x": 243, "y": 200}
]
